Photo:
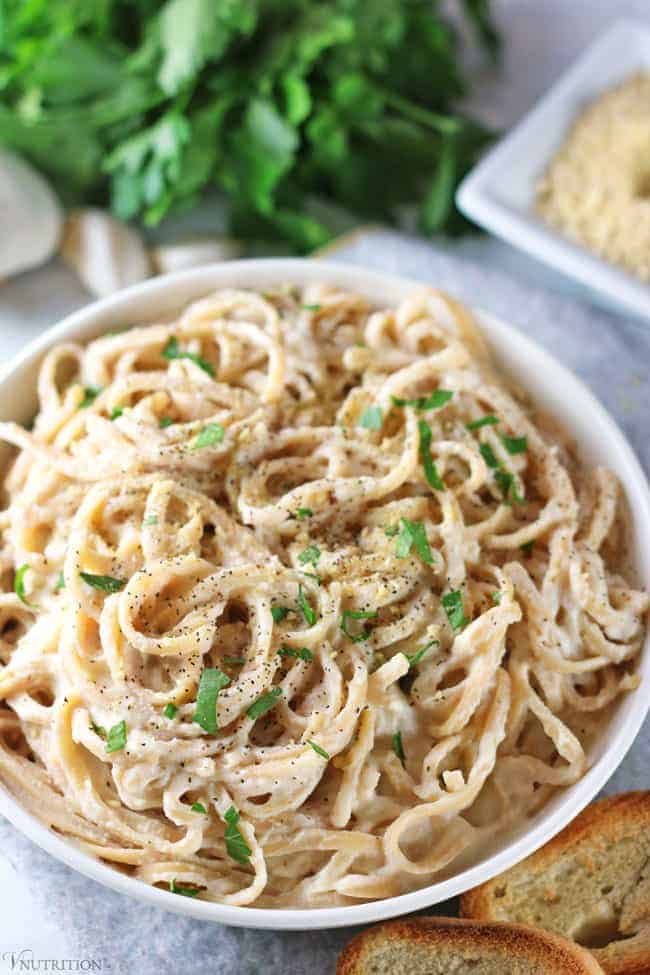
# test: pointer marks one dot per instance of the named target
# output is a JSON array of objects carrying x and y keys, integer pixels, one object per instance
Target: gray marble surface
[{"x": 57, "y": 914}]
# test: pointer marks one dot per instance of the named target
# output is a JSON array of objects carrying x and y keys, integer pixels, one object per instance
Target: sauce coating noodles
[{"x": 300, "y": 606}]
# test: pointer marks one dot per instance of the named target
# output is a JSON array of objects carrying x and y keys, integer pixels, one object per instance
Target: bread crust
[
  {"x": 599, "y": 827},
  {"x": 553, "y": 953}
]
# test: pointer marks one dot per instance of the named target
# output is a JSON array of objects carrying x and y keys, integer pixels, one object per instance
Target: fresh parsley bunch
[{"x": 276, "y": 102}]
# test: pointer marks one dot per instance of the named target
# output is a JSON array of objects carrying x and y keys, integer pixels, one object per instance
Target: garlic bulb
[
  {"x": 192, "y": 253},
  {"x": 106, "y": 253},
  {"x": 30, "y": 217}
]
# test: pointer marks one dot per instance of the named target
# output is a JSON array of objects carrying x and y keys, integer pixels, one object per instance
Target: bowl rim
[{"x": 92, "y": 320}]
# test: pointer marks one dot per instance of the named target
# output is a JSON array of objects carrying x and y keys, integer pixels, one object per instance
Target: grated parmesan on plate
[{"x": 597, "y": 188}]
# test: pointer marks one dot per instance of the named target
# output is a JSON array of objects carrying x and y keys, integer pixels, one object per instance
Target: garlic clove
[
  {"x": 167, "y": 258},
  {"x": 30, "y": 217},
  {"x": 106, "y": 253}
]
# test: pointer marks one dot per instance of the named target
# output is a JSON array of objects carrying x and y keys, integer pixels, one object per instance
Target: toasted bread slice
[
  {"x": 590, "y": 883},
  {"x": 447, "y": 946}
]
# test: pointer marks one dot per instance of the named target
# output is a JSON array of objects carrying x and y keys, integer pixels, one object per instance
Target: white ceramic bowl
[
  {"x": 499, "y": 193},
  {"x": 552, "y": 386}
]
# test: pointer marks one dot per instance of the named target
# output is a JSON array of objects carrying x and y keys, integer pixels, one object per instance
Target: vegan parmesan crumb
[{"x": 596, "y": 190}]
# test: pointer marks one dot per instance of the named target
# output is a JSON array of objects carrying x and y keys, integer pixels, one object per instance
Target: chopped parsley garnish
[
  {"x": 497, "y": 596},
  {"x": 151, "y": 520},
  {"x": 413, "y": 534},
  {"x": 173, "y": 351},
  {"x": 398, "y": 747},
  {"x": 319, "y": 751},
  {"x": 19, "y": 584},
  {"x": 198, "y": 807},
  {"x": 165, "y": 421},
  {"x": 515, "y": 445},
  {"x": 311, "y": 575},
  {"x": 508, "y": 487},
  {"x": 115, "y": 412},
  {"x": 453, "y": 605},
  {"x": 209, "y": 436},
  {"x": 484, "y": 421},
  {"x": 264, "y": 703},
  {"x": 526, "y": 548},
  {"x": 236, "y": 845},
  {"x": 303, "y": 513},
  {"x": 391, "y": 530},
  {"x": 279, "y": 612},
  {"x": 415, "y": 658},
  {"x": 432, "y": 402},
  {"x": 234, "y": 661},
  {"x": 90, "y": 395},
  {"x": 170, "y": 710},
  {"x": 310, "y": 614},
  {"x": 372, "y": 418},
  {"x": 183, "y": 891},
  {"x": 98, "y": 729},
  {"x": 310, "y": 555},
  {"x": 348, "y": 615},
  {"x": 60, "y": 583},
  {"x": 430, "y": 470},
  {"x": 105, "y": 583},
  {"x": 311, "y": 307},
  {"x": 488, "y": 455},
  {"x": 212, "y": 681},
  {"x": 302, "y": 654},
  {"x": 116, "y": 738}
]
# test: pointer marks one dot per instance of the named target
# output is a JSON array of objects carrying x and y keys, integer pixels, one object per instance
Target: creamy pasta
[{"x": 300, "y": 605}]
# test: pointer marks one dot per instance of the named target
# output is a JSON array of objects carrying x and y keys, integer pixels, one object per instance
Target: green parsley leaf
[
  {"x": 515, "y": 445},
  {"x": 413, "y": 534},
  {"x": 415, "y": 658},
  {"x": 234, "y": 661},
  {"x": 151, "y": 520},
  {"x": 116, "y": 738},
  {"x": 183, "y": 891},
  {"x": 303, "y": 513},
  {"x": 279, "y": 612},
  {"x": 236, "y": 845},
  {"x": 348, "y": 615},
  {"x": 398, "y": 747},
  {"x": 371, "y": 418},
  {"x": 508, "y": 487},
  {"x": 488, "y": 455},
  {"x": 310, "y": 614},
  {"x": 264, "y": 703},
  {"x": 430, "y": 470},
  {"x": 19, "y": 584},
  {"x": 165, "y": 421},
  {"x": 170, "y": 710},
  {"x": 484, "y": 421},
  {"x": 527, "y": 548},
  {"x": 319, "y": 751},
  {"x": 497, "y": 596},
  {"x": 432, "y": 402},
  {"x": 198, "y": 807},
  {"x": 209, "y": 436},
  {"x": 104, "y": 583},
  {"x": 453, "y": 605},
  {"x": 312, "y": 307},
  {"x": 98, "y": 729},
  {"x": 391, "y": 530},
  {"x": 172, "y": 350},
  {"x": 116, "y": 412},
  {"x": 211, "y": 682},
  {"x": 302, "y": 654},
  {"x": 309, "y": 555},
  {"x": 90, "y": 395},
  {"x": 60, "y": 583}
]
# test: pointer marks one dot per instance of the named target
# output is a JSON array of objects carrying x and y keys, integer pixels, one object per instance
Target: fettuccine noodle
[{"x": 300, "y": 605}]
